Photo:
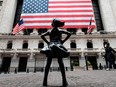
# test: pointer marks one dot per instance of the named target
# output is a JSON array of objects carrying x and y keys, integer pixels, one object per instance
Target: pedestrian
[
  {"x": 100, "y": 66},
  {"x": 105, "y": 42},
  {"x": 109, "y": 56},
  {"x": 55, "y": 49}
]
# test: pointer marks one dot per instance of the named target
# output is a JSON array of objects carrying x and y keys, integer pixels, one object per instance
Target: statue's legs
[
  {"x": 61, "y": 65},
  {"x": 49, "y": 60}
]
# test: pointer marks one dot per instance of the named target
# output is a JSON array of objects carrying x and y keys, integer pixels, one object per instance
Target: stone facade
[{"x": 36, "y": 61}]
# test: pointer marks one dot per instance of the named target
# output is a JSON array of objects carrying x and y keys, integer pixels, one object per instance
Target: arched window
[
  {"x": 25, "y": 45},
  {"x": 89, "y": 44},
  {"x": 9, "y": 45},
  {"x": 41, "y": 45},
  {"x": 72, "y": 45}
]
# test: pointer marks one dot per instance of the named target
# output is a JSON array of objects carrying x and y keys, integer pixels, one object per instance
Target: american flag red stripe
[
  {"x": 75, "y": 13},
  {"x": 90, "y": 26},
  {"x": 19, "y": 26}
]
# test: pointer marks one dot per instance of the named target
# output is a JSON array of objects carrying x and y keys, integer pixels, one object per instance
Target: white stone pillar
[
  {"x": 107, "y": 15},
  {"x": 113, "y": 5},
  {"x": 94, "y": 30},
  {"x": 34, "y": 32},
  {"x": 0, "y": 60},
  {"x": 101, "y": 60},
  {"x": 14, "y": 63},
  {"x": 20, "y": 33},
  {"x": 31, "y": 63},
  {"x": 82, "y": 61},
  {"x": 8, "y": 16},
  {"x": 79, "y": 31}
]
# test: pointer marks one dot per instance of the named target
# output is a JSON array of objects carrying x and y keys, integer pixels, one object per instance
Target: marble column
[
  {"x": 31, "y": 63},
  {"x": 34, "y": 32},
  {"x": 14, "y": 63},
  {"x": 0, "y": 60},
  {"x": 108, "y": 18},
  {"x": 79, "y": 31},
  {"x": 82, "y": 61},
  {"x": 8, "y": 16}
]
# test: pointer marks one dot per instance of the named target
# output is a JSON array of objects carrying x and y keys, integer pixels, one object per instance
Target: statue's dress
[{"x": 55, "y": 48}]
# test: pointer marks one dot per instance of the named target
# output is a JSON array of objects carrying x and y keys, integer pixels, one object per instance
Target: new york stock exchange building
[{"x": 21, "y": 52}]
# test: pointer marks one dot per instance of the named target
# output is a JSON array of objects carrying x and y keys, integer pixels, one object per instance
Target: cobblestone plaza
[{"x": 96, "y": 78}]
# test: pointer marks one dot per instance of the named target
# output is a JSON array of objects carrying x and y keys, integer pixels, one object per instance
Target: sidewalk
[{"x": 96, "y": 78}]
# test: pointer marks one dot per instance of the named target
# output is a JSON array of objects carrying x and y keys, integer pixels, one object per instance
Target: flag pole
[
  {"x": 26, "y": 31},
  {"x": 89, "y": 30}
]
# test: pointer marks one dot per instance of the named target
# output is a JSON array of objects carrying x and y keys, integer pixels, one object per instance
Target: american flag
[
  {"x": 90, "y": 26},
  {"x": 40, "y": 13},
  {"x": 19, "y": 26}
]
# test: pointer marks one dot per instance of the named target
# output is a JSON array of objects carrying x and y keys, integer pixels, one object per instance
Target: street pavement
[{"x": 91, "y": 78}]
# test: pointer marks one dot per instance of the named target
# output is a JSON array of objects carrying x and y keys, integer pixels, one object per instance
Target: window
[
  {"x": 25, "y": 45},
  {"x": 41, "y": 45},
  {"x": 89, "y": 44},
  {"x": 1, "y": 3},
  {"x": 72, "y": 45},
  {"x": 9, "y": 45}
]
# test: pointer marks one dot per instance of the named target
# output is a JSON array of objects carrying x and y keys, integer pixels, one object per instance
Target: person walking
[{"x": 109, "y": 56}]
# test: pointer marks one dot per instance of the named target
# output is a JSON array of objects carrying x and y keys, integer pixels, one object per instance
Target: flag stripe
[
  {"x": 19, "y": 26},
  {"x": 47, "y": 24},
  {"x": 79, "y": 6},
  {"x": 57, "y": 2},
  {"x": 68, "y": 26},
  {"x": 48, "y": 21},
  {"x": 63, "y": 18},
  {"x": 70, "y": 4},
  {"x": 49, "y": 16},
  {"x": 67, "y": 0},
  {"x": 62, "y": 11},
  {"x": 75, "y": 13},
  {"x": 57, "y": 13}
]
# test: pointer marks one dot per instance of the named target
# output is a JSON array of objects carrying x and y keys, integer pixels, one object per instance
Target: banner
[{"x": 75, "y": 13}]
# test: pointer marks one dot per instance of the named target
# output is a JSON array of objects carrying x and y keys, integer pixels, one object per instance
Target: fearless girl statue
[{"x": 55, "y": 49}]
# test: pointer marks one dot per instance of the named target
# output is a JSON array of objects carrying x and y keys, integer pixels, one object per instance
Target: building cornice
[{"x": 78, "y": 36}]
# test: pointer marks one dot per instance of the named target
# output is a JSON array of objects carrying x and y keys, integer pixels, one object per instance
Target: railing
[
  {"x": 91, "y": 50},
  {"x": 7, "y": 50},
  {"x": 23, "y": 50},
  {"x": 74, "y": 49}
]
